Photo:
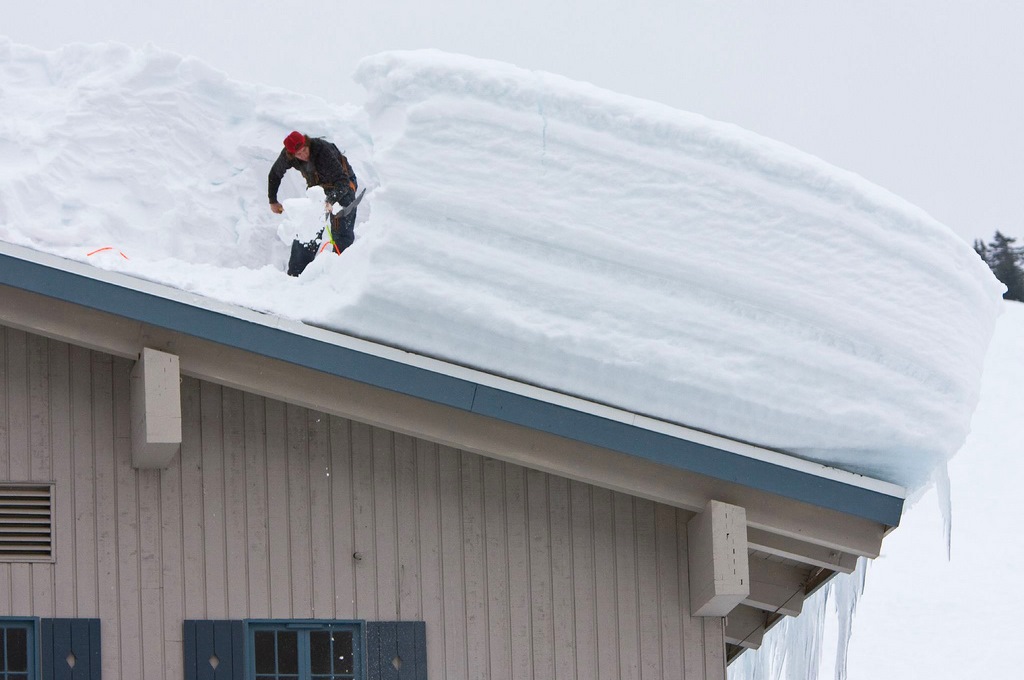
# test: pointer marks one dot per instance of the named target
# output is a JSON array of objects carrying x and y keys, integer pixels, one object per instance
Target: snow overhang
[{"x": 451, "y": 385}]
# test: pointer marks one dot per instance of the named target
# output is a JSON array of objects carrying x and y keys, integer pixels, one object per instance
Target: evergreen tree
[
  {"x": 981, "y": 249},
  {"x": 1006, "y": 262}
]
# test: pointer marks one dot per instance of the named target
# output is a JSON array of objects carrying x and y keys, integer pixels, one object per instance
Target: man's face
[{"x": 303, "y": 153}]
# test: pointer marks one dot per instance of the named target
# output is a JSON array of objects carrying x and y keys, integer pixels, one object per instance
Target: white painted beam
[
  {"x": 155, "y": 409},
  {"x": 745, "y": 627},
  {"x": 719, "y": 571},
  {"x": 776, "y": 587},
  {"x": 801, "y": 551}
]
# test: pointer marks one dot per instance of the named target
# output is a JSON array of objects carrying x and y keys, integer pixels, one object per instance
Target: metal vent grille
[{"x": 26, "y": 522}]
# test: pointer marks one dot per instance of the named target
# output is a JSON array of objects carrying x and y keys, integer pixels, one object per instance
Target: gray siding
[{"x": 518, "y": 574}]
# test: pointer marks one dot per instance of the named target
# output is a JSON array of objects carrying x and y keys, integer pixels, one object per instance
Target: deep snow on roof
[{"x": 528, "y": 226}]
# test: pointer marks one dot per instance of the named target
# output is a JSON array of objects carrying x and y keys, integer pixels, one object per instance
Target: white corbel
[
  {"x": 155, "y": 409},
  {"x": 719, "y": 568}
]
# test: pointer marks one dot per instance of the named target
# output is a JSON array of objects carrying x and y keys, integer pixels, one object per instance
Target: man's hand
[{"x": 276, "y": 208}]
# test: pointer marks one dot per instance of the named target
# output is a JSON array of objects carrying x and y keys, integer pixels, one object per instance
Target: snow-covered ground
[{"x": 528, "y": 226}]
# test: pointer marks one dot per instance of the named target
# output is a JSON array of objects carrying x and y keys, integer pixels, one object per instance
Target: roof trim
[{"x": 451, "y": 385}]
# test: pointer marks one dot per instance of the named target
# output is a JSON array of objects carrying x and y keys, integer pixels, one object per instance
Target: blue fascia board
[
  {"x": 448, "y": 390},
  {"x": 234, "y": 332},
  {"x": 688, "y": 455}
]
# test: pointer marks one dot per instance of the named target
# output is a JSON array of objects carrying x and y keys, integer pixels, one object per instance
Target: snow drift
[{"x": 528, "y": 226}]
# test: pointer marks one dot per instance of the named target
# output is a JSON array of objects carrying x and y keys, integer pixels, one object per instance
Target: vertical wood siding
[{"x": 272, "y": 510}]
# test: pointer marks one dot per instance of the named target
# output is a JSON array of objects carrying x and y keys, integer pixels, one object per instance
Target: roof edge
[{"x": 436, "y": 380}]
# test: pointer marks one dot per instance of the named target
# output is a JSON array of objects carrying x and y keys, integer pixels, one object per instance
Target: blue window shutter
[
  {"x": 214, "y": 650},
  {"x": 396, "y": 650},
  {"x": 69, "y": 649}
]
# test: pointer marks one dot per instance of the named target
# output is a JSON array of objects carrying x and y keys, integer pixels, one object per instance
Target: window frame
[
  {"x": 31, "y": 626},
  {"x": 356, "y": 626}
]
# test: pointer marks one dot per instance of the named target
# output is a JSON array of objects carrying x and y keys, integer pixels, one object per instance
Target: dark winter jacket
[{"x": 327, "y": 167}]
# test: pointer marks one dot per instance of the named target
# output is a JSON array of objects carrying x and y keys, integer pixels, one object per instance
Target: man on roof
[{"x": 321, "y": 164}]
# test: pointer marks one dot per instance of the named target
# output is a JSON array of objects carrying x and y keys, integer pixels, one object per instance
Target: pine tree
[
  {"x": 981, "y": 249},
  {"x": 1006, "y": 262}
]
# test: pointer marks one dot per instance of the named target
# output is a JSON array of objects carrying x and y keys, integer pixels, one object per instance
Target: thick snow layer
[{"x": 528, "y": 226}]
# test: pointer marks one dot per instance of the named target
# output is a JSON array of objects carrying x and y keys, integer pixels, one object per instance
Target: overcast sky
[{"x": 923, "y": 97}]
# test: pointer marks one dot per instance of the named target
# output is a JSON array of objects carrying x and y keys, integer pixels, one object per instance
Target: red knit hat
[{"x": 294, "y": 142}]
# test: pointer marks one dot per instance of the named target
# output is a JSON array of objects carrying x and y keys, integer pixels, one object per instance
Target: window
[
  {"x": 302, "y": 650},
  {"x": 305, "y": 650},
  {"x": 17, "y": 649}
]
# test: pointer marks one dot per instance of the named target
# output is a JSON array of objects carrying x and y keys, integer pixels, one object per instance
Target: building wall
[{"x": 276, "y": 511}]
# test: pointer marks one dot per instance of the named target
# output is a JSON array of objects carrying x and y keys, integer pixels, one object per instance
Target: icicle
[
  {"x": 792, "y": 649},
  {"x": 847, "y": 589},
  {"x": 943, "y": 489},
  {"x": 807, "y": 630}
]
